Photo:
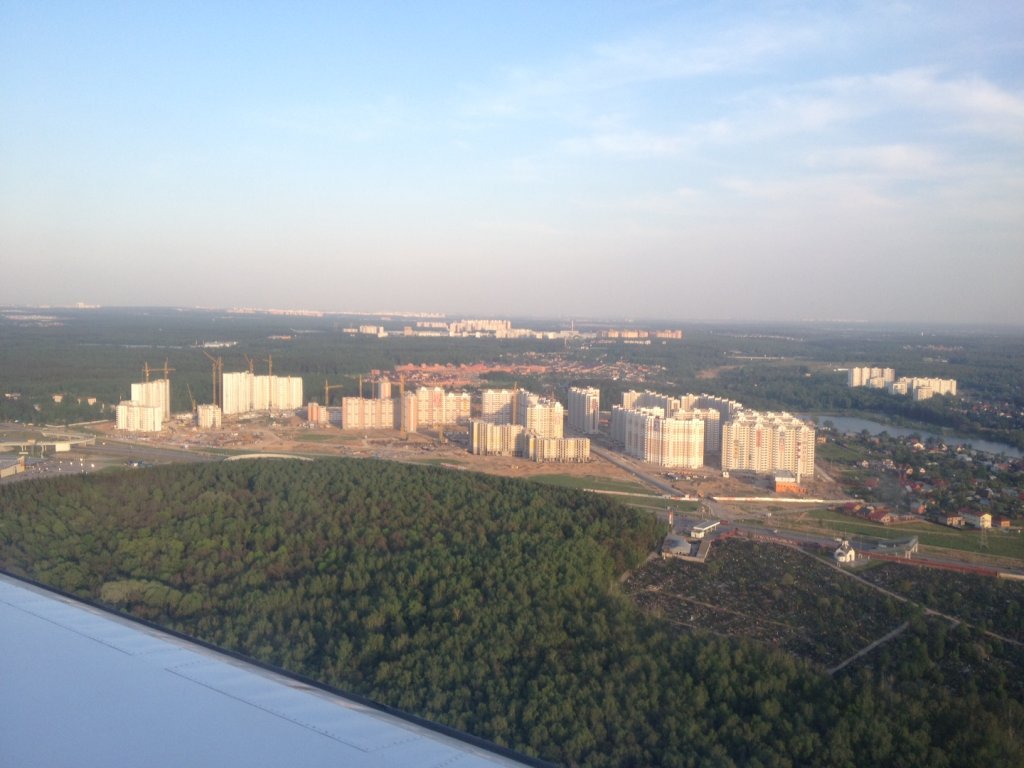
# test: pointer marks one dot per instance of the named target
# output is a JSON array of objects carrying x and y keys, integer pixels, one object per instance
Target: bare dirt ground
[{"x": 295, "y": 436}]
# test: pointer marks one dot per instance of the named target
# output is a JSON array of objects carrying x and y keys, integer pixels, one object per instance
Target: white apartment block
[
  {"x": 562, "y": 450},
  {"x": 541, "y": 416},
  {"x": 712, "y": 426},
  {"x": 868, "y": 376},
  {"x": 382, "y": 389},
  {"x": 650, "y": 399},
  {"x": 244, "y": 392},
  {"x": 237, "y": 392},
  {"x": 498, "y": 406},
  {"x": 435, "y": 406},
  {"x": 408, "y": 411},
  {"x": 768, "y": 442},
  {"x": 667, "y": 442},
  {"x": 487, "y": 439},
  {"x": 922, "y": 388},
  {"x": 584, "y": 410},
  {"x": 367, "y": 413},
  {"x": 209, "y": 416},
  {"x": 133, "y": 416},
  {"x": 153, "y": 393},
  {"x": 500, "y": 328},
  {"x": 726, "y": 408}
]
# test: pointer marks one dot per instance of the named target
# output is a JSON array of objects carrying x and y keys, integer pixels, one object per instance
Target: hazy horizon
[{"x": 655, "y": 160}]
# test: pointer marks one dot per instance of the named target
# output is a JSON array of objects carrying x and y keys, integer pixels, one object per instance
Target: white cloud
[
  {"x": 670, "y": 55},
  {"x": 894, "y": 159}
]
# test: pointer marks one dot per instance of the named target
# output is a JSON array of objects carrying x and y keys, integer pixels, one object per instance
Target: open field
[
  {"x": 998, "y": 544},
  {"x": 591, "y": 482}
]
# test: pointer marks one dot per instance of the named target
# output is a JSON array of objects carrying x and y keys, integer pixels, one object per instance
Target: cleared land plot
[{"x": 774, "y": 594}]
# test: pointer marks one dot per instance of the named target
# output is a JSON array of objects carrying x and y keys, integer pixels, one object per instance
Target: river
[{"x": 857, "y": 424}]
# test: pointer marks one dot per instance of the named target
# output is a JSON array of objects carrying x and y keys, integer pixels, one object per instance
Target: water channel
[{"x": 856, "y": 424}]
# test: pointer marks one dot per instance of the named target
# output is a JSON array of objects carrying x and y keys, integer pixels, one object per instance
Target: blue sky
[{"x": 672, "y": 160}]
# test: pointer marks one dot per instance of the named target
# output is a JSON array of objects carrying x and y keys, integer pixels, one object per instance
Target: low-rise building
[
  {"x": 976, "y": 518},
  {"x": 845, "y": 554},
  {"x": 702, "y": 529}
]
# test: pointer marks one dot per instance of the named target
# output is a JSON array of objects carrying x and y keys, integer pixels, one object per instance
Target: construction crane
[
  {"x": 167, "y": 369},
  {"x": 145, "y": 372},
  {"x": 327, "y": 391},
  {"x": 218, "y": 368},
  {"x": 270, "y": 389},
  {"x": 251, "y": 362},
  {"x": 191, "y": 399}
]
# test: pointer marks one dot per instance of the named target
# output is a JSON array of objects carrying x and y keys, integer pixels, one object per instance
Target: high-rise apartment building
[
  {"x": 921, "y": 388},
  {"x": 133, "y": 416},
  {"x": 435, "y": 406},
  {"x": 407, "y": 412},
  {"x": 244, "y": 392},
  {"x": 767, "y": 443},
  {"x": 154, "y": 393},
  {"x": 668, "y": 442},
  {"x": 584, "y": 410},
  {"x": 498, "y": 406},
  {"x": 868, "y": 376},
  {"x": 489, "y": 439},
  {"x": 712, "y": 426},
  {"x": 563, "y": 450},
  {"x": 367, "y": 413},
  {"x": 541, "y": 416}
]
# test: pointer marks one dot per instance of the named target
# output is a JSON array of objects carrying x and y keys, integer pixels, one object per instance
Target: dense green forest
[{"x": 489, "y": 604}]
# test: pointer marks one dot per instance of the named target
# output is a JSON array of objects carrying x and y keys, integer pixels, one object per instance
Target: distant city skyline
[{"x": 654, "y": 160}]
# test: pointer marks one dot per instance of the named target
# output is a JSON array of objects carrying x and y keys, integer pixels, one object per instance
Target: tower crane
[
  {"x": 327, "y": 391},
  {"x": 218, "y": 368},
  {"x": 270, "y": 388}
]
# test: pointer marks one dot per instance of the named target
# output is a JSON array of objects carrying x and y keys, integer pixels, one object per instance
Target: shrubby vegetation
[
  {"x": 488, "y": 604},
  {"x": 773, "y": 593},
  {"x": 991, "y": 604}
]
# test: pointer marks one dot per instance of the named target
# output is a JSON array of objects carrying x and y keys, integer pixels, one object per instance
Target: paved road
[{"x": 624, "y": 463}]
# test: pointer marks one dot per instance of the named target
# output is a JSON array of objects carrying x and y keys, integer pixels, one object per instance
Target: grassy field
[
  {"x": 999, "y": 544},
  {"x": 322, "y": 437},
  {"x": 590, "y": 482},
  {"x": 658, "y": 504},
  {"x": 844, "y": 454}
]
